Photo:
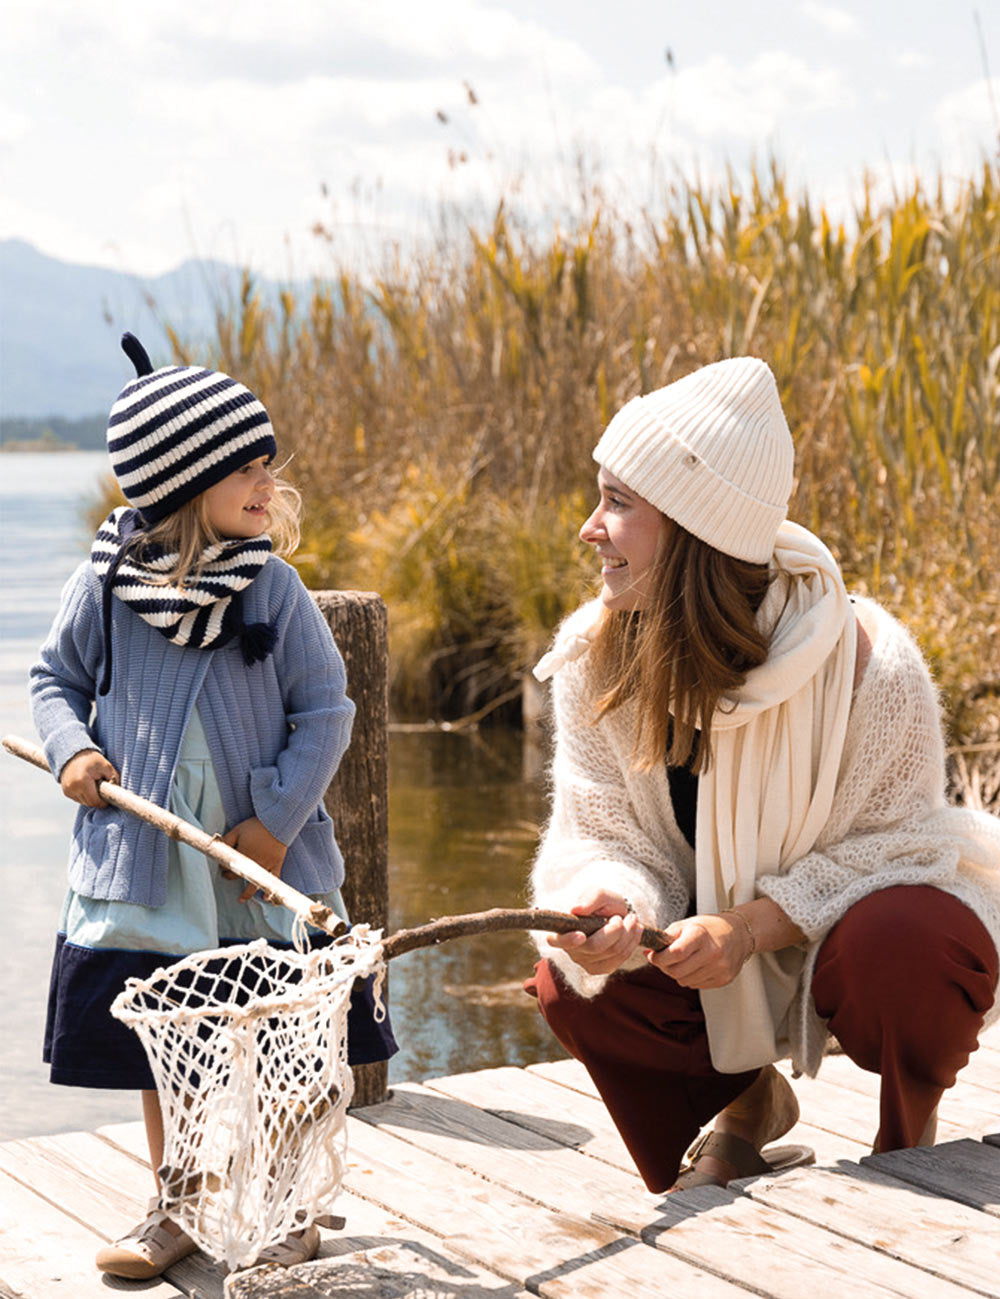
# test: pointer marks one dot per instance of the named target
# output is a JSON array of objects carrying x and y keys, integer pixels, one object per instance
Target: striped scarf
[{"x": 205, "y": 613}]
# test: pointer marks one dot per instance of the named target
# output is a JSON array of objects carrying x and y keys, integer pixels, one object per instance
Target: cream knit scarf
[
  {"x": 762, "y": 804},
  {"x": 767, "y": 795}
]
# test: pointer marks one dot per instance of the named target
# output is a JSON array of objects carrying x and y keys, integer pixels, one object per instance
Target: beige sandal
[
  {"x": 299, "y": 1247},
  {"x": 148, "y": 1249},
  {"x": 743, "y": 1158}
]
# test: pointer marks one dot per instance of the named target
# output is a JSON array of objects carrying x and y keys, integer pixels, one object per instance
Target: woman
[{"x": 797, "y": 850}]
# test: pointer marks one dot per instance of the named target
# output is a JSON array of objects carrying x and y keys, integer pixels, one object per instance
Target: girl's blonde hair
[
  {"x": 693, "y": 644},
  {"x": 188, "y": 533}
]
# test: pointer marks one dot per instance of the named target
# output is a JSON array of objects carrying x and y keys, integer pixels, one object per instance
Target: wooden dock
[{"x": 509, "y": 1182}]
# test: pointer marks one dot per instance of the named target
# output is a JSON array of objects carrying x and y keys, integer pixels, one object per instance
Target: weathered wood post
[{"x": 358, "y": 796}]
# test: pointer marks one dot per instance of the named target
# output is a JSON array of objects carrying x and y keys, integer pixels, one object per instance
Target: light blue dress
[
  {"x": 102, "y": 943},
  {"x": 202, "y": 909}
]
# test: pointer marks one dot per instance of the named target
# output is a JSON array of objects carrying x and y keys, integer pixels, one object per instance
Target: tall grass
[{"x": 442, "y": 415}]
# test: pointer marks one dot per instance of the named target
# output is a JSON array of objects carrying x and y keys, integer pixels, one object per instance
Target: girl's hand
[
  {"x": 609, "y": 948},
  {"x": 252, "y": 838},
  {"x": 705, "y": 951},
  {"x": 80, "y": 776}
]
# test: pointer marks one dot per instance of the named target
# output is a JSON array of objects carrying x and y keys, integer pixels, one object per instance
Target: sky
[{"x": 136, "y": 134}]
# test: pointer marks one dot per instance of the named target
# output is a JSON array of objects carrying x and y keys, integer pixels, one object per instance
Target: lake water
[{"x": 464, "y": 810}]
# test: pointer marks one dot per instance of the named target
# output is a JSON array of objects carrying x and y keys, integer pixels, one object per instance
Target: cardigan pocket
[
  {"x": 314, "y": 862},
  {"x": 94, "y": 853}
]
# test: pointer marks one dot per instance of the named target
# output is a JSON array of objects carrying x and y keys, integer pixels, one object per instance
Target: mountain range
[{"x": 60, "y": 325}]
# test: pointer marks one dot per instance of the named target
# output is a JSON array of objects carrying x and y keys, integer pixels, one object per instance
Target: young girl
[
  {"x": 753, "y": 761},
  {"x": 188, "y": 661}
]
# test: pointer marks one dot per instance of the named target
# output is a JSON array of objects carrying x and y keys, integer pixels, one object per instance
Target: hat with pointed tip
[{"x": 177, "y": 431}]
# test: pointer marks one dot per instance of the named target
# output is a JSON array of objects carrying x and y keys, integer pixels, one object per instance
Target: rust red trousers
[{"x": 903, "y": 980}]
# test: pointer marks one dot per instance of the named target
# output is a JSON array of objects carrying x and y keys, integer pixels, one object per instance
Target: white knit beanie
[{"x": 713, "y": 452}]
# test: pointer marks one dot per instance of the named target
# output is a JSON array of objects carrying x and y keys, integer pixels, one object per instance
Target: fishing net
[{"x": 248, "y": 1046}]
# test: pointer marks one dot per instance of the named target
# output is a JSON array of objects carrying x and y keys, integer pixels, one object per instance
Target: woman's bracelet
[{"x": 731, "y": 911}]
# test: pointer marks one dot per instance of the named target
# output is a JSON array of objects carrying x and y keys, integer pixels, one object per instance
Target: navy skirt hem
[{"x": 85, "y": 1046}]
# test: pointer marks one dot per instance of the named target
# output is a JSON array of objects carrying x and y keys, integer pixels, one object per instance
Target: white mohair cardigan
[{"x": 613, "y": 827}]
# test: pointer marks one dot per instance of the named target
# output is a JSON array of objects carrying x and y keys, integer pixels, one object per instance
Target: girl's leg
[
  {"x": 153, "y": 1118},
  {"x": 158, "y": 1242},
  {"x": 904, "y": 980},
  {"x": 643, "y": 1042}
]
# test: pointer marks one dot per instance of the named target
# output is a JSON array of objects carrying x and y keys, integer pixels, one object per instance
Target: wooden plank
[
  {"x": 789, "y": 1270},
  {"x": 46, "y": 1255},
  {"x": 584, "y": 1122},
  {"x": 129, "y": 1137},
  {"x": 828, "y": 1144},
  {"x": 369, "y": 1227},
  {"x": 828, "y": 1147},
  {"x": 521, "y": 1160},
  {"x": 378, "y": 1256},
  {"x": 79, "y": 1174},
  {"x": 380, "y": 1271},
  {"x": 948, "y": 1240},
  {"x": 567, "y": 1073},
  {"x": 966, "y": 1106},
  {"x": 531, "y": 1101},
  {"x": 102, "y": 1188},
  {"x": 552, "y": 1254},
  {"x": 983, "y": 1069},
  {"x": 749, "y": 1242},
  {"x": 852, "y": 1114},
  {"x": 967, "y": 1171}
]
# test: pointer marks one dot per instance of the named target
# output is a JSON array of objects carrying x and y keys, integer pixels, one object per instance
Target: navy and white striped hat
[{"x": 174, "y": 432}]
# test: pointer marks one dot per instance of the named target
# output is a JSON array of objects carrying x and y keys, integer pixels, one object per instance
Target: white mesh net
[{"x": 248, "y": 1046}]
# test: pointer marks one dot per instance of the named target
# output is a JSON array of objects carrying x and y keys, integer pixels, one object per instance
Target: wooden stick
[
  {"x": 315, "y": 913},
  {"x": 274, "y": 888},
  {"x": 489, "y": 922}
]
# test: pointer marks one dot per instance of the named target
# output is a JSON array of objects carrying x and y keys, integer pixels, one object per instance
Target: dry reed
[{"x": 442, "y": 415}]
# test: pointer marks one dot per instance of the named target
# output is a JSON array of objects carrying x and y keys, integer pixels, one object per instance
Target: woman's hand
[
  {"x": 80, "y": 776},
  {"x": 252, "y": 838},
  {"x": 609, "y": 948},
  {"x": 705, "y": 951}
]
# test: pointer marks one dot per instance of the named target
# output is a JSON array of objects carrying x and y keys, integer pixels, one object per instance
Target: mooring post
[{"x": 358, "y": 796}]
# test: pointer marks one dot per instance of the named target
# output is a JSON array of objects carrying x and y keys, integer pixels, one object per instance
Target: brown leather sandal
[{"x": 742, "y": 1157}]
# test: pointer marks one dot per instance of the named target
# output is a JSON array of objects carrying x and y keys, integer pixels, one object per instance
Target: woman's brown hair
[{"x": 692, "y": 645}]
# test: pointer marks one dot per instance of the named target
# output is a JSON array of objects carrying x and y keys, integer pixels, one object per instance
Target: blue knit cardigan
[{"x": 276, "y": 730}]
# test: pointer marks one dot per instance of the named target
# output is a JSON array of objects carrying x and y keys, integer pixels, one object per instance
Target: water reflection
[{"x": 464, "y": 812}]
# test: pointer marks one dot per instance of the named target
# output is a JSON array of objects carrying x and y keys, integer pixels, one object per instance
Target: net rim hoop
[{"x": 320, "y": 980}]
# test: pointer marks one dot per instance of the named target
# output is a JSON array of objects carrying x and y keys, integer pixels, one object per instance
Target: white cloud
[
  {"x": 967, "y": 118},
  {"x": 911, "y": 59},
  {"x": 721, "y": 99},
  {"x": 837, "y": 21},
  {"x": 14, "y": 124},
  {"x": 170, "y": 127}
]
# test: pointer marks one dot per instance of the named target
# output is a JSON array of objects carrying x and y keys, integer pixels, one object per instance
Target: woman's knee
[
  {"x": 911, "y": 963},
  {"x": 903, "y": 937}
]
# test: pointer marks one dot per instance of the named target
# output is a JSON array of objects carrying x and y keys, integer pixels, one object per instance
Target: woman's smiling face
[{"x": 626, "y": 531}]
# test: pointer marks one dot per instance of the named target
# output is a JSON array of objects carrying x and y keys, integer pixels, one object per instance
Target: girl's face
[
  {"x": 626, "y": 531},
  {"x": 237, "y": 505}
]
